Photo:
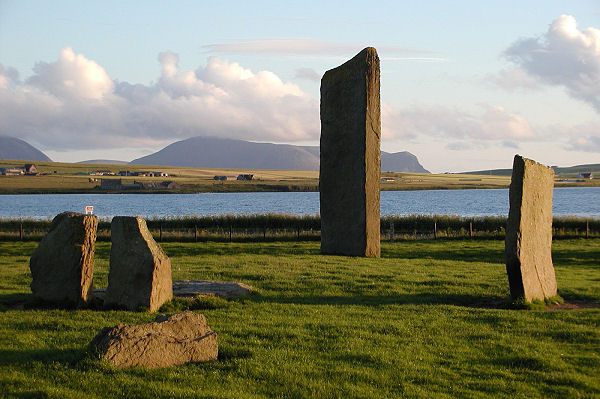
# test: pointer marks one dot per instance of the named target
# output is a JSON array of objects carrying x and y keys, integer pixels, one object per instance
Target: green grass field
[
  {"x": 74, "y": 178},
  {"x": 427, "y": 319}
]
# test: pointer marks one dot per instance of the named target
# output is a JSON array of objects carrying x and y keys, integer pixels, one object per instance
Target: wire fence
[{"x": 273, "y": 227}]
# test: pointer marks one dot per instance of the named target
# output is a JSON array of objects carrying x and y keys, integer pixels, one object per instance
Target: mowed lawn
[{"x": 428, "y": 319}]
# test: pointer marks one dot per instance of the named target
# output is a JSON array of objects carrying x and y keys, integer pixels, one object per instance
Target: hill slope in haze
[
  {"x": 104, "y": 162},
  {"x": 14, "y": 148},
  {"x": 402, "y": 161},
  {"x": 212, "y": 152},
  {"x": 559, "y": 170}
]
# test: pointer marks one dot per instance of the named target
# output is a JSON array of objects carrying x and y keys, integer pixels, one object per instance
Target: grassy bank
[
  {"x": 269, "y": 227},
  {"x": 66, "y": 178},
  {"x": 426, "y": 320}
]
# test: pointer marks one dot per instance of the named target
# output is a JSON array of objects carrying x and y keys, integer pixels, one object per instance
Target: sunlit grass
[{"x": 425, "y": 320}]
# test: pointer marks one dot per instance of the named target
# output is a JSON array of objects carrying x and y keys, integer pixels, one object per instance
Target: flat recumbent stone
[{"x": 168, "y": 341}]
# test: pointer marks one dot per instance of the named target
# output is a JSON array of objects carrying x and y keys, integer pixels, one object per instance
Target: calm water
[{"x": 567, "y": 201}]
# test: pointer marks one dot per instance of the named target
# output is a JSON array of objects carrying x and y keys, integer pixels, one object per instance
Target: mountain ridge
[
  {"x": 19, "y": 150},
  {"x": 208, "y": 152},
  {"x": 575, "y": 169}
]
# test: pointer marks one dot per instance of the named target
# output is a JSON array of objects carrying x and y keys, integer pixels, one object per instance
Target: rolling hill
[
  {"x": 212, "y": 152},
  {"x": 104, "y": 162},
  {"x": 559, "y": 170},
  {"x": 17, "y": 149}
]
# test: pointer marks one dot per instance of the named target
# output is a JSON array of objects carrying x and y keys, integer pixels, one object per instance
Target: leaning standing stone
[
  {"x": 62, "y": 266},
  {"x": 168, "y": 341},
  {"x": 350, "y": 157},
  {"x": 140, "y": 271},
  {"x": 528, "y": 246}
]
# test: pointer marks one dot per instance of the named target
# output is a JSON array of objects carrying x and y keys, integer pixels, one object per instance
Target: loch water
[{"x": 583, "y": 202}]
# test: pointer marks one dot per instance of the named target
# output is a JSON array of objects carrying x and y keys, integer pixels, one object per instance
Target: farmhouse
[
  {"x": 149, "y": 174},
  {"x": 28, "y": 169},
  {"x": 102, "y": 173},
  {"x": 12, "y": 171}
]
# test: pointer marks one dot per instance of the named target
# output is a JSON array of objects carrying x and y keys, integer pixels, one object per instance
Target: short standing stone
[
  {"x": 62, "y": 266},
  {"x": 350, "y": 157},
  {"x": 168, "y": 341},
  {"x": 140, "y": 271},
  {"x": 528, "y": 246}
]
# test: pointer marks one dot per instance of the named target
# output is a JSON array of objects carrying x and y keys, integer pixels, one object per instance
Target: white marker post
[{"x": 89, "y": 210}]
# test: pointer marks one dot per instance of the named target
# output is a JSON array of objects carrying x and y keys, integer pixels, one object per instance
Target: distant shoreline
[
  {"x": 70, "y": 178},
  {"x": 259, "y": 190}
]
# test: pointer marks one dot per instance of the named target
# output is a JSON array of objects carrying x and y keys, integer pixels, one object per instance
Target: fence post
[
  {"x": 21, "y": 230},
  {"x": 391, "y": 231},
  {"x": 470, "y": 229},
  {"x": 160, "y": 233},
  {"x": 434, "y": 230},
  {"x": 298, "y": 231},
  {"x": 264, "y": 232},
  {"x": 587, "y": 229},
  {"x": 230, "y": 228},
  {"x": 195, "y": 233}
]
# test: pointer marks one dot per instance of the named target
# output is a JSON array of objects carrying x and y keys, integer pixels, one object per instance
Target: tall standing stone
[
  {"x": 62, "y": 266},
  {"x": 528, "y": 246},
  {"x": 350, "y": 157},
  {"x": 140, "y": 271}
]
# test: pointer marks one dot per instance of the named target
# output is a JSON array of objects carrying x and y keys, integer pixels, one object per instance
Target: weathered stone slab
[
  {"x": 62, "y": 266},
  {"x": 168, "y": 341},
  {"x": 350, "y": 157},
  {"x": 223, "y": 289},
  {"x": 192, "y": 288},
  {"x": 140, "y": 271},
  {"x": 528, "y": 246}
]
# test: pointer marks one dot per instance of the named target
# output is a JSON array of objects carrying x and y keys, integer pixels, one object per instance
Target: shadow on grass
[
  {"x": 472, "y": 301},
  {"x": 23, "y": 301},
  {"x": 18, "y": 301},
  {"x": 588, "y": 257},
  {"x": 401, "y": 250},
  {"x": 445, "y": 249},
  {"x": 68, "y": 357},
  {"x": 102, "y": 252},
  {"x": 178, "y": 250}
]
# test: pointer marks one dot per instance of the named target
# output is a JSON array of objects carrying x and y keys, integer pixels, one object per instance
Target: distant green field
[
  {"x": 75, "y": 178},
  {"x": 428, "y": 319}
]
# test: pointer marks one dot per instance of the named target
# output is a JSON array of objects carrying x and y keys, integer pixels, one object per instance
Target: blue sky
[{"x": 464, "y": 85}]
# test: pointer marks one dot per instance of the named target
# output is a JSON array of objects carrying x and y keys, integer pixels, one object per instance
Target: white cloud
[
  {"x": 72, "y": 75},
  {"x": 494, "y": 123},
  {"x": 583, "y": 137},
  {"x": 73, "y": 104},
  {"x": 513, "y": 79},
  {"x": 308, "y": 74},
  {"x": 563, "y": 56}
]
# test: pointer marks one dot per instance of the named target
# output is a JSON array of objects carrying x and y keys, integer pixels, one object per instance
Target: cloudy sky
[{"x": 464, "y": 85}]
